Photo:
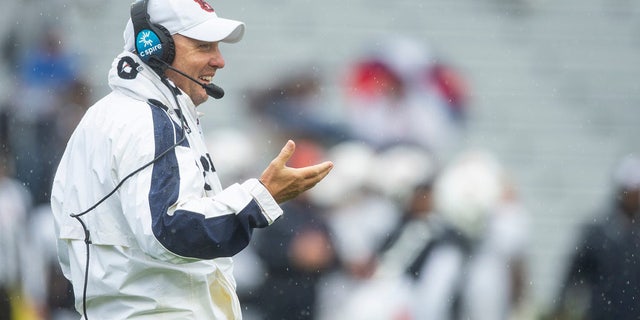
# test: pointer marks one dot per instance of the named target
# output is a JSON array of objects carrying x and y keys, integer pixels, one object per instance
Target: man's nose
[{"x": 217, "y": 60}]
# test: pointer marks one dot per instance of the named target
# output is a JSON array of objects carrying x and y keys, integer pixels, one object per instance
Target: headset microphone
[{"x": 211, "y": 89}]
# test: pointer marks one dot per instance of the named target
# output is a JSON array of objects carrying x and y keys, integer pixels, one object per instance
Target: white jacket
[{"x": 162, "y": 244}]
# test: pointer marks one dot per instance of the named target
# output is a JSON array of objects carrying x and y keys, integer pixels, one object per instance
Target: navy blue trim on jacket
[{"x": 187, "y": 233}]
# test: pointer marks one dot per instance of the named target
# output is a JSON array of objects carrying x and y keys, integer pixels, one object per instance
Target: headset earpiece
[
  {"x": 152, "y": 41},
  {"x": 168, "y": 46}
]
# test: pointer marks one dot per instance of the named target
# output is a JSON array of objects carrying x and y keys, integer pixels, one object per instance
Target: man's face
[{"x": 200, "y": 60}]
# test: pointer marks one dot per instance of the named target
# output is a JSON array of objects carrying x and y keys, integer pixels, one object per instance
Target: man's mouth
[{"x": 206, "y": 79}]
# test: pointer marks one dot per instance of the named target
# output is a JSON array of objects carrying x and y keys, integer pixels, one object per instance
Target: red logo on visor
[{"x": 204, "y": 5}]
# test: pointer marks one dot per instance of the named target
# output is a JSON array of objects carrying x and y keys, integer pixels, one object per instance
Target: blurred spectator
[
  {"x": 402, "y": 247},
  {"x": 359, "y": 218},
  {"x": 360, "y": 215},
  {"x": 50, "y": 291},
  {"x": 17, "y": 37},
  {"x": 463, "y": 234},
  {"x": 603, "y": 278},
  {"x": 15, "y": 202},
  {"x": 475, "y": 197},
  {"x": 399, "y": 92},
  {"x": 75, "y": 101},
  {"x": 305, "y": 252},
  {"x": 295, "y": 107},
  {"x": 397, "y": 263},
  {"x": 45, "y": 75},
  {"x": 369, "y": 188},
  {"x": 499, "y": 264}
]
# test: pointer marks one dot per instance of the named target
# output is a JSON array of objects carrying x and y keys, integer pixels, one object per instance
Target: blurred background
[{"x": 503, "y": 126}]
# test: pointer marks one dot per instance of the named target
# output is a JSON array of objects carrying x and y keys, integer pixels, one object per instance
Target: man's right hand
[{"x": 285, "y": 183}]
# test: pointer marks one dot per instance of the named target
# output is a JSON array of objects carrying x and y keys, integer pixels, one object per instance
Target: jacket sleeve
[{"x": 167, "y": 206}]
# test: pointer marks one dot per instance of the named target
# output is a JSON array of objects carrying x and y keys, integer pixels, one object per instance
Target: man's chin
[{"x": 200, "y": 98}]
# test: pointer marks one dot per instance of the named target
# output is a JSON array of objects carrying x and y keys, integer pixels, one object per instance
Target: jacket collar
[{"x": 130, "y": 76}]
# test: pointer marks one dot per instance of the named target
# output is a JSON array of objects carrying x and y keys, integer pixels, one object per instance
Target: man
[
  {"x": 603, "y": 269},
  {"x": 138, "y": 206}
]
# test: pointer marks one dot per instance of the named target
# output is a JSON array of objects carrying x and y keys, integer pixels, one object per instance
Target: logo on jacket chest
[{"x": 207, "y": 170}]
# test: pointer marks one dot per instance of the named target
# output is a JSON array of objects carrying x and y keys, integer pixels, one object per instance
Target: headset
[
  {"x": 153, "y": 42},
  {"x": 155, "y": 46}
]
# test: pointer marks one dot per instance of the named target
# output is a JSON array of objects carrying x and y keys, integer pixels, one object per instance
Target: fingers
[
  {"x": 284, "y": 182},
  {"x": 320, "y": 170},
  {"x": 314, "y": 174},
  {"x": 285, "y": 154}
]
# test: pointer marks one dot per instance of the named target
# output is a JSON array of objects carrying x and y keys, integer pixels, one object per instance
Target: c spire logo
[
  {"x": 144, "y": 39},
  {"x": 148, "y": 44},
  {"x": 204, "y": 5}
]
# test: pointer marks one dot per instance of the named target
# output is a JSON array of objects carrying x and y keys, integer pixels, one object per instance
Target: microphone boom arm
[{"x": 211, "y": 89}]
